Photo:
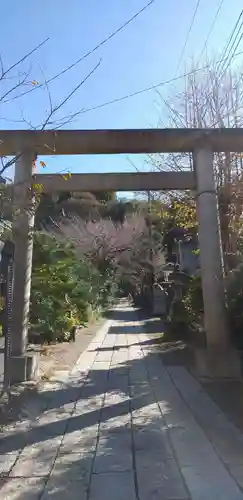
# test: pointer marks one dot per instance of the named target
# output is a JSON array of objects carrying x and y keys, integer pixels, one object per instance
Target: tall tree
[{"x": 210, "y": 99}]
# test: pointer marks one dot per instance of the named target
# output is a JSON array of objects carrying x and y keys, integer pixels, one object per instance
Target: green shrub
[
  {"x": 193, "y": 300},
  {"x": 66, "y": 290},
  {"x": 235, "y": 304},
  {"x": 193, "y": 303},
  {"x": 187, "y": 310}
]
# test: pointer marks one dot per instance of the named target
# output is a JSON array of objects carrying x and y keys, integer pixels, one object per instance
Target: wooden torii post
[{"x": 218, "y": 359}]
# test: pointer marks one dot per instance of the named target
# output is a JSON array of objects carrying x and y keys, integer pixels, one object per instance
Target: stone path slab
[{"x": 122, "y": 425}]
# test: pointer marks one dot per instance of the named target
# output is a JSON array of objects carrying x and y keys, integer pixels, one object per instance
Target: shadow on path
[
  {"x": 108, "y": 437},
  {"x": 58, "y": 447},
  {"x": 97, "y": 383}
]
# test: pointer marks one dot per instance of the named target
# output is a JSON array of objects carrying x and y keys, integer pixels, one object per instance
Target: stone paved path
[{"x": 122, "y": 426}]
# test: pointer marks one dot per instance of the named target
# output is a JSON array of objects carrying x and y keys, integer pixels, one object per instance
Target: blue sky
[{"x": 143, "y": 54}]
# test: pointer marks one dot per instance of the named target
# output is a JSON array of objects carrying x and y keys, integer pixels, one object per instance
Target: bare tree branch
[
  {"x": 19, "y": 84},
  {"x": 22, "y": 59},
  {"x": 68, "y": 97},
  {"x": 52, "y": 111},
  {"x": 93, "y": 50},
  {"x": 2, "y": 68},
  {"x": 210, "y": 100}
]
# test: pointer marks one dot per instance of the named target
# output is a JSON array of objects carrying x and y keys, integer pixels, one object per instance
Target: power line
[
  {"x": 232, "y": 34},
  {"x": 188, "y": 35},
  {"x": 207, "y": 37},
  {"x": 231, "y": 56},
  {"x": 211, "y": 29},
  {"x": 145, "y": 89},
  {"x": 87, "y": 54},
  {"x": 221, "y": 67}
]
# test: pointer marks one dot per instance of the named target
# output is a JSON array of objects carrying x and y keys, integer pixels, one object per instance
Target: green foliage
[
  {"x": 193, "y": 300},
  {"x": 66, "y": 290},
  {"x": 190, "y": 310},
  {"x": 105, "y": 196},
  {"x": 186, "y": 306},
  {"x": 86, "y": 205},
  {"x": 235, "y": 304},
  {"x": 117, "y": 212}
]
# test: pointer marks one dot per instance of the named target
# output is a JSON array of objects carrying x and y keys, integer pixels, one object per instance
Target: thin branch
[
  {"x": 24, "y": 57},
  {"x": 94, "y": 49},
  {"x": 2, "y": 68},
  {"x": 52, "y": 112},
  {"x": 27, "y": 122},
  {"x": 16, "y": 86},
  {"x": 10, "y": 162},
  {"x": 68, "y": 97}
]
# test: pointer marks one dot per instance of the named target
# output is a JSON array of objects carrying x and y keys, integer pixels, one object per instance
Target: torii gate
[{"x": 218, "y": 359}]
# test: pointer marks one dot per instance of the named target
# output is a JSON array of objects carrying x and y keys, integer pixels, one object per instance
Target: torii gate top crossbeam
[{"x": 69, "y": 142}]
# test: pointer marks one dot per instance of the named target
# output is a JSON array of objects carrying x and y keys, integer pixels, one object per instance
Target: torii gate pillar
[
  {"x": 218, "y": 360},
  {"x": 23, "y": 365}
]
